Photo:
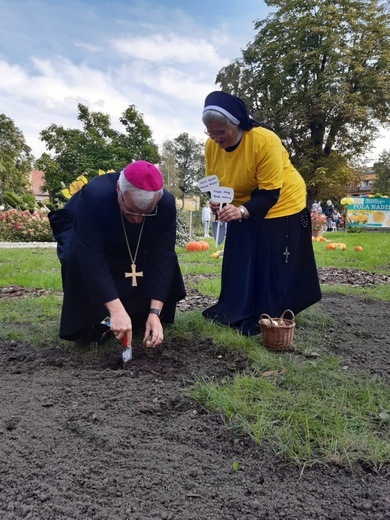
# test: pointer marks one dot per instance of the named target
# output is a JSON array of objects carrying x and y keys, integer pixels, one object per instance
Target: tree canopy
[
  {"x": 382, "y": 171},
  {"x": 15, "y": 158},
  {"x": 182, "y": 164},
  {"x": 97, "y": 146},
  {"x": 319, "y": 73}
]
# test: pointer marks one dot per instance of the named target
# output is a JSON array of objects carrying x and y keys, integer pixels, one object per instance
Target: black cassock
[
  {"x": 268, "y": 267},
  {"x": 92, "y": 249}
]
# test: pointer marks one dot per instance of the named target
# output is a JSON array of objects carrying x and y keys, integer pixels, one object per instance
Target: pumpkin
[
  {"x": 330, "y": 246},
  {"x": 341, "y": 246},
  {"x": 193, "y": 246},
  {"x": 205, "y": 245},
  {"x": 199, "y": 245},
  {"x": 358, "y": 249}
]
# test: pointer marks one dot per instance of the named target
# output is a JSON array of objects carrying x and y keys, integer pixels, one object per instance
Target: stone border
[{"x": 18, "y": 245}]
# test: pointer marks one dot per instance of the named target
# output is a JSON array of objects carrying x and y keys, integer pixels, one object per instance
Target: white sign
[
  {"x": 208, "y": 183},
  {"x": 222, "y": 195}
]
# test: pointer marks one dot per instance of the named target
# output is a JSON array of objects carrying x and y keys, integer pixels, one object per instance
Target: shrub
[
  {"x": 12, "y": 199},
  {"x": 354, "y": 229},
  {"x": 24, "y": 226},
  {"x": 29, "y": 202},
  {"x": 46, "y": 205},
  {"x": 181, "y": 230}
]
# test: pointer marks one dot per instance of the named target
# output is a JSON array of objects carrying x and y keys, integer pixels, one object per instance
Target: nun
[{"x": 268, "y": 261}]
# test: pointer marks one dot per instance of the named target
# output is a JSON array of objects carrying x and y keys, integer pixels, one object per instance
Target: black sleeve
[{"x": 261, "y": 202}]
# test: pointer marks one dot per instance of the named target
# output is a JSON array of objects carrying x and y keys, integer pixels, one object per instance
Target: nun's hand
[
  {"x": 229, "y": 213},
  {"x": 214, "y": 206}
]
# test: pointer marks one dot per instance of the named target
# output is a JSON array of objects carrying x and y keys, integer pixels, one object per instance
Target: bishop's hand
[
  {"x": 154, "y": 334},
  {"x": 120, "y": 321}
]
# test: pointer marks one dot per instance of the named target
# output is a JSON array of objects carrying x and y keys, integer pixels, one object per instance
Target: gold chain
[{"x": 133, "y": 260}]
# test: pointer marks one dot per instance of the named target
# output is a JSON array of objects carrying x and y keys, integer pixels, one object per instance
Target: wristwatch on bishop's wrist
[{"x": 155, "y": 311}]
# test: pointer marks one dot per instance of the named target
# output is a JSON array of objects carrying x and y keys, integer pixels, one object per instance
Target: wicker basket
[{"x": 280, "y": 336}]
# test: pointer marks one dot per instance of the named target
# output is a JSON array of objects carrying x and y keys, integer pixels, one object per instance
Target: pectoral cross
[
  {"x": 133, "y": 275},
  {"x": 286, "y": 253}
]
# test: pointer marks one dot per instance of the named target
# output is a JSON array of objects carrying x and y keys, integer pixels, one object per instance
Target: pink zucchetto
[{"x": 143, "y": 175}]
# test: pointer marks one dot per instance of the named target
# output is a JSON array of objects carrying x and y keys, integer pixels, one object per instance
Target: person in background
[
  {"x": 116, "y": 244},
  {"x": 206, "y": 217},
  {"x": 337, "y": 218},
  {"x": 314, "y": 206},
  {"x": 268, "y": 263},
  {"x": 329, "y": 211}
]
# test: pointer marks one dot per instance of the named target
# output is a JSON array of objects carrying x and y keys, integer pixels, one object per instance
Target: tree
[
  {"x": 95, "y": 147},
  {"x": 319, "y": 74},
  {"x": 169, "y": 169},
  {"x": 185, "y": 159},
  {"x": 15, "y": 158},
  {"x": 382, "y": 171}
]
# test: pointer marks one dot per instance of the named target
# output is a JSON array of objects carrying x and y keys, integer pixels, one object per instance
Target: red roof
[{"x": 37, "y": 178}]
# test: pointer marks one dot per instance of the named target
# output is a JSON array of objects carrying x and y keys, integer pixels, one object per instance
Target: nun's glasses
[{"x": 218, "y": 133}]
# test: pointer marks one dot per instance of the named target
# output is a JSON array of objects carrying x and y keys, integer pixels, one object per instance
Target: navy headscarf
[{"x": 228, "y": 104}]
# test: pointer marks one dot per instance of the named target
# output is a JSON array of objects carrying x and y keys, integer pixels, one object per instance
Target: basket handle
[
  {"x": 291, "y": 312},
  {"x": 265, "y": 317}
]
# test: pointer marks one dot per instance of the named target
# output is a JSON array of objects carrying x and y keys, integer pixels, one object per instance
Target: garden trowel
[{"x": 219, "y": 231}]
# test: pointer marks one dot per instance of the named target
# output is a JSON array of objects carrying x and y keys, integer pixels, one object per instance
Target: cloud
[{"x": 169, "y": 48}]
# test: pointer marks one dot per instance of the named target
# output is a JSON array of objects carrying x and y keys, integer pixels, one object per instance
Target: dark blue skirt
[{"x": 267, "y": 268}]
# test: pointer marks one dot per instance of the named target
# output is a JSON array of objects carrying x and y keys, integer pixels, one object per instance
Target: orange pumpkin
[
  {"x": 193, "y": 246},
  {"x": 359, "y": 249},
  {"x": 330, "y": 246},
  {"x": 205, "y": 245}
]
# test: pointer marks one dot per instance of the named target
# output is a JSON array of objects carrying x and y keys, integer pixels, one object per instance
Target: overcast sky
[{"x": 162, "y": 57}]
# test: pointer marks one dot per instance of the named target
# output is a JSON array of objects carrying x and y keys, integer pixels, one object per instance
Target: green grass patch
[
  {"x": 377, "y": 292},
  {"x": 31, "y": 319},
  {"x": 30, "y": 268},
  {"x": 313, "y": 413},
  {"x": 374, "y": 257}
]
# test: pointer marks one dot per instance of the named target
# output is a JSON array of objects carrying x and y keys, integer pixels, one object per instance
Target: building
[
  {"x": 37, "y": 179},
  {"x": 364, "y": 184}
]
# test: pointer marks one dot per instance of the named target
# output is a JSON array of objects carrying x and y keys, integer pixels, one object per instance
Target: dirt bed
[{"x": 83, "y": 438}]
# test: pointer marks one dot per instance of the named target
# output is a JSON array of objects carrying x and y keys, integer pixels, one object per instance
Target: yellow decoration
[
  {"x": 74, "y": 186},
  {"x": 66, "y": 193}
]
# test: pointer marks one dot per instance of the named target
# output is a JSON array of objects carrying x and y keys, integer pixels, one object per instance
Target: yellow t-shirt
[{"x": 259, "y": 161}]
